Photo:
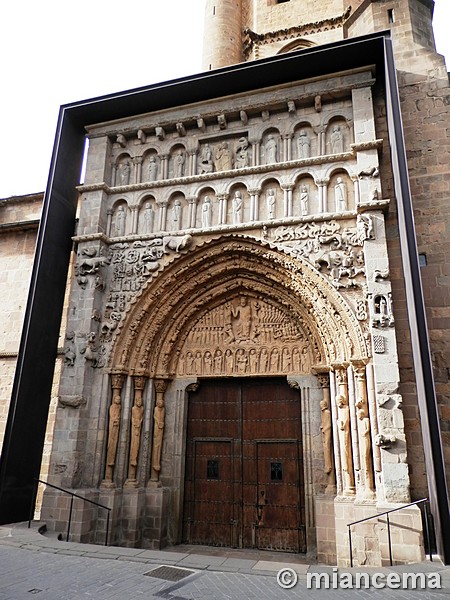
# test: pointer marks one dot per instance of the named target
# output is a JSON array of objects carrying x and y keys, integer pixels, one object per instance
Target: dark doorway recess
[{"x": 244, "y": 466}]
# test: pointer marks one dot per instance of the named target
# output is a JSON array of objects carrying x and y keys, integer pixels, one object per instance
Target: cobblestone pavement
[{"x": 32, "y": 565}]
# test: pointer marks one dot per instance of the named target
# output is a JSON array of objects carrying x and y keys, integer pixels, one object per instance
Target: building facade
[{"x": 237, "y": 356}]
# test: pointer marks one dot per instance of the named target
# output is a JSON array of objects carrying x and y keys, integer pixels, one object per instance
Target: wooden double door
[{"x": 244, "y": 472}]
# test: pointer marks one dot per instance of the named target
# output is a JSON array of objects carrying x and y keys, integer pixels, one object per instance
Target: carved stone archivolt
[{"x": 244, "y": 286}]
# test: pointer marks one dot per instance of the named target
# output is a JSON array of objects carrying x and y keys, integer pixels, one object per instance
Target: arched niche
[
  {"x": 123, "y": 170},
  {"x": 305, "y": 141},
  {"x": 207, "y": 209},
  {"x": 271, "y": 146},
  {"x": 148, "y": 211},
  {"x": 151, "y": 166},
  {"x": 306, "y": 196},
  {"x": 121, "y": 219},
  {"x": 341, "y": 196},
  {"x": 271, "y": 201},
  {"x": 178, "y": 161},
  {"x": 177, "y": 217},
  {"x": 152, "y": 336},
  {"x": 299, "y": 44},
  {"x": 338, "y": 136}
]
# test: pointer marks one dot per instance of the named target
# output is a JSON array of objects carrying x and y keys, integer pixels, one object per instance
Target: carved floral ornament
[{"x": 216, "y": 276}]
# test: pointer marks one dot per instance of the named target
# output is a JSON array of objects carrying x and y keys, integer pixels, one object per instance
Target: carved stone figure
[
  {"x": 149, "y": 216},
  {"x": 243, "y": 316},
  {"x": 241, "y": 361},
  {"x": 206, "y": 160},
  {"x": 178, "y": 163},
  {"x": 365, "y": 446},
  {"x": 218, "y": 362},
  {"x": 120, "y": 221},
  {"x": 345, "y": 444},
  {"x": 270, "y": 201},
  {"x": 206, "y": 212},
  {"x": 237, "y": 205},
  {"x": 340, "y": 195},
  {"x": 176, "y": 214},
  {"x": 152, "y": 169},
  {"x": 304, "y": 200},
  {"x": 271, "y": 148},
  {"x": 303, "y": 145},
  {"x": 159, "y": 415},
  {"x": 241, "y": 159},
  {"x": 364, "y": 228},
  {"x": 326, "y": 430},
  {"x": 229, "y": 362},
  {"x": 337, "y": 140},
  {"x": 115, "y": 412},
  {"x": 223, "y": 157},
  {"x": 123, "y": 173},
  {"x": 137, "y": 416}
]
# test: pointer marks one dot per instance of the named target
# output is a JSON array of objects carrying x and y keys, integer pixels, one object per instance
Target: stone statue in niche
[
  {"x": 340, "y": 195},
  {"x": 365, "y": 446},
  {"x": 218, "y": 361},
  {"x": 149, "y": 217},
  {"x": 326, "y": 430},
  {"x": 137, "y": 416},
  {"x": 241, "y": 361},
  {"x": 152, "y": 169},
  {"x": 115, "y": 412},
  {"x": 241, "y": 158},
  {"x": 270, "y": 201},
  {"x": 383, "y": 315},
  {"x": 120, "y": 221},
  {"x": 303, "y": 145},
  {"x": 178, "y": 163},
  {"x": 206, "y": 212},
  {"x": 345, "y": 444},
  {"x": 206, "y": 160},
  {"x": 223, "y": 157},
  {"x": 364, "y": 228},
  {"x": 229, "y": 362},
  {"x": 238, "y": 207},
  {"x": 271, "y": 150},
  {"x": 176, "y": 214},
  {"x": 159, "y": 416},
  {"x": 337, "y": 140},
  {"x": 304, "y": 200},
  {"x": 123, "y": 173}
]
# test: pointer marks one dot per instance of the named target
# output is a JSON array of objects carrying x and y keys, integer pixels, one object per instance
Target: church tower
[{"x": 243, "y": 30}]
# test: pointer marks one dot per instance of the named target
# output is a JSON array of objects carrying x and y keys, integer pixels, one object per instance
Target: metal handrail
[
  {"x": 73, "y": 495},
  {"x": 387, "y": 513}
]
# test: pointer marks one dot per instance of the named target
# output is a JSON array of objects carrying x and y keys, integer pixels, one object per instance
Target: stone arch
[
  {"x": 148, "y": 210},
  {"x": 152, "y": 335},
  {"x": 299, "y": 44}
]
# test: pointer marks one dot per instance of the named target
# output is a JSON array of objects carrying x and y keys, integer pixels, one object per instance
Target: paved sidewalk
[{"x": 35, "y": 565}]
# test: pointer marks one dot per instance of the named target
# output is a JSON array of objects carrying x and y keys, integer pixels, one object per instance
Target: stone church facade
[{"x": 237, "y": 360}]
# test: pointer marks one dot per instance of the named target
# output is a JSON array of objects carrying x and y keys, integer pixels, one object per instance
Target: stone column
[
  {"x": 222, "y": 208},
  {"x": 326, "y": 429},
  {"x": 192, "y": 210},
  {"x": 162, "y": 215},
  {"x": 134, "y": 218},
  {"x": 254, "y": 204},
  {"x": 287, "y": 199},
  {"x": 115, "y": 413},
  {"x": 193, "y": 163},
  {"x": 344, "y": 431},
  {"x": 165, "y": 166},
  {"x": 109, "y": 214},
  {"x": 256, "y": 152},
  {"x": 364, "y": 431},
  {"x": 356, "y": 191},
  {"x": 159, "y": 416},
  {"x": 287, "y": 146},
  {"x": 137, "y": 162},
  {"x": 137, "y": 417}
]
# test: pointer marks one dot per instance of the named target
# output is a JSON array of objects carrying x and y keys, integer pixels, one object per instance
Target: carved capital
[
  {"x": 139, "y": 382},
  {"x": 117, "y": 381},
  {"x": 160, "y": 385},
  {"x": 324, "y": 380}
]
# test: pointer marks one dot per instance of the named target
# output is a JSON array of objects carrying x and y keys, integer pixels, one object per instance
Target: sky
[{"x": 56, "y": 52}]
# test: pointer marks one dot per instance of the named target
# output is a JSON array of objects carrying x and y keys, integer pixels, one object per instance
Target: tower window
[{"x": 391, "y": 16}]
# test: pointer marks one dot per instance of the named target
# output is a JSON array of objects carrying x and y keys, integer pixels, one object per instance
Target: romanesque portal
[{"x": 231, "y": 330}]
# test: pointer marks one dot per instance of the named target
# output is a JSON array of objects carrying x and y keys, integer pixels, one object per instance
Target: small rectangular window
[
  {"x": 391, "y": 16},
  {"x": 276, "y": 471},
  {"x": 212, "y": 469}
]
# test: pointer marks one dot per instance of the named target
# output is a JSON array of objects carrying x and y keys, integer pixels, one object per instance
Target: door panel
[{"x": 244, "y": 475}]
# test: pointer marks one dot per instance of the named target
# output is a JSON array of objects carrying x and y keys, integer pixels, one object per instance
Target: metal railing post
[
  {"x": 33, "y": 504},
  {"x": 350, "y": 545},
  {"x": 70, "y": 519},
  {"x": 427, "y": 530},
  {"x": 389, "y": 537}
]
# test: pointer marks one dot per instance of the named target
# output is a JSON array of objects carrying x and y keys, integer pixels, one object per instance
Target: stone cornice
[{"x": 251, "y": 39}]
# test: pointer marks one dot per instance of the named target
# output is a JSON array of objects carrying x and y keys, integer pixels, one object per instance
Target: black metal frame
[
  {"x": 73, "y": 495},
  {"x": 388, "y": 523},
  {"x": 27, "y": 418}
]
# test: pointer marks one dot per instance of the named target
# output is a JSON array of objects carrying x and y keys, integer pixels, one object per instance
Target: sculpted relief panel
[{"x": 245, "y": 336}]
